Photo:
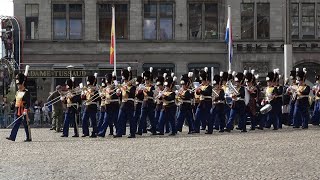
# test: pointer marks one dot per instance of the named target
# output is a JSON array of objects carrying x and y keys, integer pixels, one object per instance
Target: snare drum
[{"x": 265, "y": 109}]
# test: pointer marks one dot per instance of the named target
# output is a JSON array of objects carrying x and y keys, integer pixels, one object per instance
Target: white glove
[
  {"x": 25, "y": 112},
  {"x": 83, "y": 93},
  {"x": 118, "y": 91},
  {"x": 61, "y": 98},
  {"x": 81, "y": 85},
  {"x": 115, "y": 82},
  {"x": 176, "y": 91}
]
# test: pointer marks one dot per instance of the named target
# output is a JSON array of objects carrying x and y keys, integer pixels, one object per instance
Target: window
[
  {"x": 158, "y": 21},
  {"x": 67, "y": 21},
  {"x": 75, "y": 22},
  {"x": 32, "y": 18},
  {"x": 263, "y": 20},
  {"x": 159, "y": 68},
  {"x": 197, "y": 67},
  {"x": 105, "y": 19},
  {"x": 295, "y": 20},
  {"x": 308, "y": 21},
  {"x": 203, "y": 21},
  {"x": 247, "y": 20}
]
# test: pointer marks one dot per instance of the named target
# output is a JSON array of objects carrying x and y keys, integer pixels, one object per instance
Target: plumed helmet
[
  {"x": 160, "y": 81},
  {"x": 69, "y": 83},
  {"x": 239, "y": 77},
  {"x": 276, "y": 75},
  {"x": 114, "y": 76},
  {"x": 125, "y": 73},
  {"x": 203, "y": 75},
  {"x": 103, "y": 82},
  {"x": 91, "y": 79},
  {"x": 317, "y": 77},
  {"x": 169, "y": 81},
  {"x": 231, "y": 75},
  {"x": 109, "y": 78},
  {"x": 139, "y": 79},
  {"x": 224, "y": 76},
  {"x": 270, "y": 76},
  {"x": 249, "y": 77},
  {"x": 184, "y": 80},
  {"x": 301, "y": 74},
  {"x": 20, "y": 78},
  {"x": 293, "y": 75},
  {"x": 216, "y": 79},
  {"x": 147, "y": 75}
]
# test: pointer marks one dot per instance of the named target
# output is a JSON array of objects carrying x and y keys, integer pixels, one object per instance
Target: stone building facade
[{"x": 170, "y": 35}]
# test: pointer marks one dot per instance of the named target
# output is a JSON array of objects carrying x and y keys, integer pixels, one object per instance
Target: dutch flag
[{"x": 228, "y": 39}]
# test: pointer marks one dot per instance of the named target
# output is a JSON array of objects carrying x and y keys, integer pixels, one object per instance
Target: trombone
[
  {"x": 232, "y": 89},
  {"x": 57, "y": 99},
  {"x": 214, "y": 93}
]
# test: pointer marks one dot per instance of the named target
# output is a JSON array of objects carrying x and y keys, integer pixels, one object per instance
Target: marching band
[{"x": 230, "y": 99}]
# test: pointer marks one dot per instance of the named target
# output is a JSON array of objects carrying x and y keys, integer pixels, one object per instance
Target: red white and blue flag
[{"x": 228, "y": 39}]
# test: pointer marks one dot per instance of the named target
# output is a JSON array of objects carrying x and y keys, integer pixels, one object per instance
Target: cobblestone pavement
[{"x": 284, "y": 154}]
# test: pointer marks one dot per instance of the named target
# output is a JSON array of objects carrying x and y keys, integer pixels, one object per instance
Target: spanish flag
[{"x": 113, "y": 38}]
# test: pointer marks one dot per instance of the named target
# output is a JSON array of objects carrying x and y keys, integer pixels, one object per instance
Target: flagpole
[
  {"x": 230, "y": 37},
  {"x": 114, "y": 40}
]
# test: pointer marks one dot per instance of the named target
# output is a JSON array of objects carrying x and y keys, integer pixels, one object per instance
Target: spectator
[
  {"x": 46, "y": 116},
  {"x": 4, "y": 113},
  {"x": 37, "y": 113},
  {"x": 57, "y": 110}
]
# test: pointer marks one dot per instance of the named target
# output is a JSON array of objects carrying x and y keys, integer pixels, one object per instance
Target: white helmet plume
[
  {"x": 26, "y": 70},
  {"x": 174, "y": 78},
  {"x": 304, "y": 70},
  {"x": 234, "y": 73}
]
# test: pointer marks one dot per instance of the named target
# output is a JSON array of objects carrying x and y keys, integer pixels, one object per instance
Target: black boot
[
  {"x": 93, "y": 135},
  {"x": 131, "y": 136},
  {"x": 9, "y": 138},
  {"x": 117, "y": 136}
]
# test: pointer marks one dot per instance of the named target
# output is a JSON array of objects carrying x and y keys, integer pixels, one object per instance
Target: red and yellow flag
[{"x": 113, "y": 39}]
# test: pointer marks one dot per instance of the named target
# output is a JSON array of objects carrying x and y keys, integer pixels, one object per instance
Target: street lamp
[{"x": 70, "y": 68}]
